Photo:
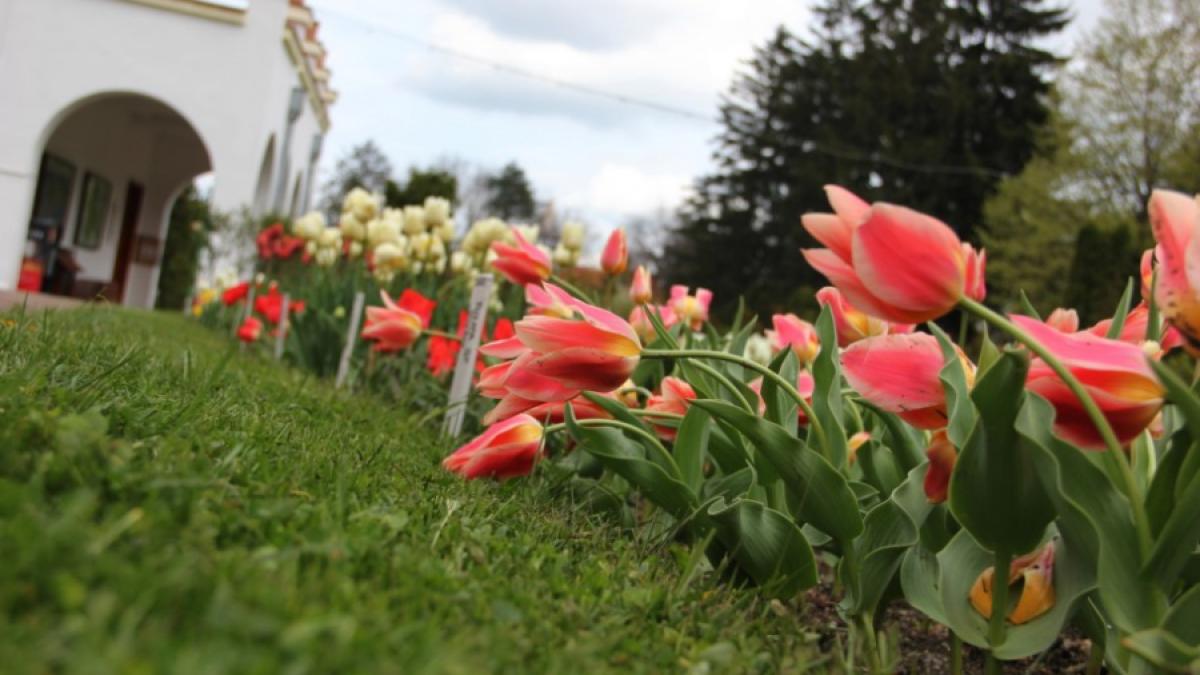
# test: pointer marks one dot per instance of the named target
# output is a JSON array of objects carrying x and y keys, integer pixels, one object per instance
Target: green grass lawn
[{"x": 168, "y": 504}]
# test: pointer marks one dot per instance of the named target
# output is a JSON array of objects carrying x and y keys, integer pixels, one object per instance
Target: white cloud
[
  {"x": 625, "y": 190},
  {"x": 584, "y": 25}
]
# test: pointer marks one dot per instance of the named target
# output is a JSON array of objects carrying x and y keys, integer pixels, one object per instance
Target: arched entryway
[{"x": 111, "y": 166}]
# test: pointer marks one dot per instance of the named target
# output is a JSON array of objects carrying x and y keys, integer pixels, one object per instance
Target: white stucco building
[{"x": 111, "y": 107}]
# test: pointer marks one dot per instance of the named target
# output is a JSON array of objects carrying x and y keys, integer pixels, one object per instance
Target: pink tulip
[
  {"x": 793, "y": 332},
  {"x": 1175, "y": 217},
  {"x": 555, "y": 412},
  {"x": 549, "y": 300},
  {"x": 641, "y": 323},
  {"x": 1136, "y": 327},
  {"x": 397, "y": 325},
  {"x": 691, "y": 309},
  {"x": 1063, "y": 320},
  {"x": 615, "y": 257},
  {"x": 552, "y": 359},
  {"x": 1116, "y": 374},
  {"x": 509, "y": 448},
  {"x": 893, "y": 262},
  {"x": 641, "y": 290},
  {"x": 899, "y": 374},
  {"x": 523, "y": 263},
  {"x": 853, "y": 325},
  {"x": 675, "y": 397}
]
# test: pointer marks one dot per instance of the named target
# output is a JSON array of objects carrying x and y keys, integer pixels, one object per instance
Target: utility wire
[{"x": 807, "y": 145}]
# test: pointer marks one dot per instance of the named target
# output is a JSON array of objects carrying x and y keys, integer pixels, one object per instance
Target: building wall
[{"x": 231, "y": 82}]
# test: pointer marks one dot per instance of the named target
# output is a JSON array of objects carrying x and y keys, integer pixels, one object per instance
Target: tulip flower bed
[
  {"x": 1014, "y": 484},
  {"x": 170, "y": 505}
]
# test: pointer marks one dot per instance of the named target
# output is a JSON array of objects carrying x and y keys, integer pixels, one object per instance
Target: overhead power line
[{"x": 636, "y": 101}]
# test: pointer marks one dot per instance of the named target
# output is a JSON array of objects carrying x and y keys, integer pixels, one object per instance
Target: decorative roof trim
[
  {"x": 205, "y": 9},
  {"x": 299, "y": 60}
]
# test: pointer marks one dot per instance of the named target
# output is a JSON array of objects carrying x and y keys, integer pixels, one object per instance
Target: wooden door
[{"x": 129, "y": 225}]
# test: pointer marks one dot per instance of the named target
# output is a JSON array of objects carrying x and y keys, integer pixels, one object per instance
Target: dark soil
[{"x": 924, "y": 645}]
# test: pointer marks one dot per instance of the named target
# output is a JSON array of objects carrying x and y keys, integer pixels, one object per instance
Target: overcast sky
[{"x": 596, "y": 157}]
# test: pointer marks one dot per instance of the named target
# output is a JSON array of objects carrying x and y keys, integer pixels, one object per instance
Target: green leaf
[
  {"x": 827, "y": 391},
  {"x": 889, "y": 530},
  {"x": 822, "y": 494},
  {"x": 730, "y": 487},
  {"x": 920, "y": 578},
  {"x": 781, "y": 408},
  {"x": 1118, "y": 319},
  {"x": 1160, "y": 498},
  {"x": 1028, "y": 307},
  {"x": 961, "y": 563},
  {"x": 1094, "y": 516},
  {"x": 729, "y": 455},
  {"x": 626, "y": 458},
  {"x": 879, "y": 467},
  {"x": 1183, "y": 618},
  {"x": 766, "y": 544},
  {"x": 953, "y": 375},
  {"x": 691, "y": 445},
  {"x": 906, "y": 442},
  {"x": 994, "y": 489},
  {"x": 988, "y": 352},
  {"x": 1163, "y": 649},
  {"x": 1177, "y": 541}
]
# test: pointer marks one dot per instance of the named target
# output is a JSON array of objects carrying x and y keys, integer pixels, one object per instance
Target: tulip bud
[
  {"x": 615, "y": 257},
  {"x": 414, "y": 220},
  {"x": 942, "y": 456},
  {"x": 437, "y": 211},
  {"x": 641, "y": 288},
  {"x": 352, "y": 228}
]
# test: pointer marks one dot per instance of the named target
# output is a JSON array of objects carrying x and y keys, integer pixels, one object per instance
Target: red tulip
[
  {"x": 503, "y": 329},
  {"x": 265, "y": 241},
  {"x": 793, "y": 332},
  {"x": 893, "y": 262},
  {"x": 397, "y": 325},
  {"x": 1115, "y": 373},
  {"x": 615, "y": 257},
  {"x": 235, "y": 293},
  {"x": 675, "y": 397},
  {"x": 942, "y": 456},
  {"x": 509, "y": 448},
  {"x": 523, "y": 263},
  {"x": 250, "y": 330},
  {"x": 853, "y": 325},
  {"x": 270, "y": 305},
  {"x": 899, "y": 374},
  {"x": 641, "y": 290},
  {"x": 691, "y": 309},
  {"x": 1175, "y": 217}
]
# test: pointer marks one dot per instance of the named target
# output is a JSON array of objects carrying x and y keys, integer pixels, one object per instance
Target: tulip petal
[
  {"x": 583, "y": 368},
  {"x": 909, "y": 261},
  {"x": 847, "y": 205},
  {"x": 549, "y": 334},
  {"x": 896, "y": 372},
  {"x": 846, "y": 280}
]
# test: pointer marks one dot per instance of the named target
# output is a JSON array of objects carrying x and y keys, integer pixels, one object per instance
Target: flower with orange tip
[
  {"x": 546, "y": 299},
  {"x": 522, "y": 263},
  {"x": 1135, "y": 331},
  {"x": 900, "y": 374},
  {"x": 555, "y": 412},
  {"x": 675, "y": 397},
  {"x": 942, "y": 456},
  {"x": 641, "y": 290},
  {"x": 855, "y": 442},
  {"x": 615, "y": 257},
  {"x": 1063, "y": 320},
  {"x": 690, "y": 309},
  {"x": 506, "y": 449},
  {"x": 1036, "y": 570},
  {"x": 851, "y": 324},
  {"x": 1116, "y": 374},
  {"x": 1146, "y": 272},
  {"x": 397, "y": 325},
  {"x": 797, "y": 334},
  {"x": 250, "y": 330},
  {"x": 891, "y": 261}
]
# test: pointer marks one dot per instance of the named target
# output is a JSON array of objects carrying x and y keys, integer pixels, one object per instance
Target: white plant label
[
  {"x": 351, "y": 337},
  {"x": 282, "y": 328},
  {"x": 464, "y": 367}
]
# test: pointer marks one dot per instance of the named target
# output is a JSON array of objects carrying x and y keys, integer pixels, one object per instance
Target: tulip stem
[
  {"x": 655, "y": 413},
  {"x": 650, "y": 438},
  {"x": 1003, "y": 560},
  {"x": 728, "y": 384},
  {"x": 571, "y": 288},
  {"x": 442, "y": 334},
  {"x": 1118, "y": 462},
  {"x": 752, "y": 365}
]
